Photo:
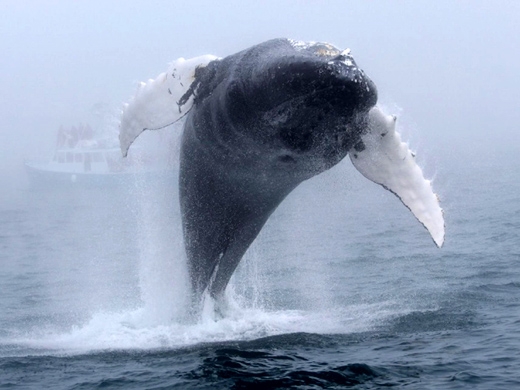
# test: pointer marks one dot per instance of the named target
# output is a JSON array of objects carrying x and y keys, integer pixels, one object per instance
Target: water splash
[
  {"x": 298, "y": 275},
  {"x": 163, "y": 273}
]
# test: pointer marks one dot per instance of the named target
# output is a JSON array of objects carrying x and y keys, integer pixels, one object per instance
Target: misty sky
[{"x": 452, "y": 67}]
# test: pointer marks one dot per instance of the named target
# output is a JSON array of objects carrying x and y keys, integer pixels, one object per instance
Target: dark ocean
[{"x": 342, "y": 289}]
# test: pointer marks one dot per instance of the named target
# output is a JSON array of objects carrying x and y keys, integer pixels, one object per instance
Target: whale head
[{"x": 303, "y": 106}]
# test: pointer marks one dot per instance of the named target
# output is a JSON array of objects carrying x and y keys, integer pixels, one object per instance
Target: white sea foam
[{"x": 133, "y": 330}]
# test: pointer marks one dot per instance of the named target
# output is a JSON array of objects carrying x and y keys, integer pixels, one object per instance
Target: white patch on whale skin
[
  {"x": 387, "y": 161},
  {"x": 324, "y": 48},
  {"x": 301, "y": 45},
  {"x": 155, "y": 104}
]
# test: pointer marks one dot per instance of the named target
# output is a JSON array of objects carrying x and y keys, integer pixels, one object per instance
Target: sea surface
[{"x": 342, "y": 289}]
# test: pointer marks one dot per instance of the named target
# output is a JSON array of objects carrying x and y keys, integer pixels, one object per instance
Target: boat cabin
[{"x": 88, "y": 161}]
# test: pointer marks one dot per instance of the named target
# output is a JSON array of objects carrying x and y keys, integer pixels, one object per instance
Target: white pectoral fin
[
  {"x": 157, "y": 102},
  {"x": 386, "y": 160}
]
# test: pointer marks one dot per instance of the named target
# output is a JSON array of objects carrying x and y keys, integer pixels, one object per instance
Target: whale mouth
[{"x": 337, "y": 95}]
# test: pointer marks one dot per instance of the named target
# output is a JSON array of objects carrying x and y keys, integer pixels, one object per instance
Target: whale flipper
[
  {"x": 161, "y": 101},
  {"x": 384, "y": 159}
]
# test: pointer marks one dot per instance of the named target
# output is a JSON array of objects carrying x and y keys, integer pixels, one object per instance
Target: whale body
[{"x": 257, "y": 124}]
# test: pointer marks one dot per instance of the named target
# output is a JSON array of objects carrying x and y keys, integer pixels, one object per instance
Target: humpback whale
[{"x": 257, "y": 124}]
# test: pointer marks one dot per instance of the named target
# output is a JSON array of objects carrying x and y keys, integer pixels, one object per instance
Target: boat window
[
  {"x": 70, "y": 157},
  {"x": 61, "y": 157},
  {"x": 113, "y": 155},
  {"x": 78, "y": 157},
  {"x": 97, "y": 157},
  {"x": 86, "y": 164}
]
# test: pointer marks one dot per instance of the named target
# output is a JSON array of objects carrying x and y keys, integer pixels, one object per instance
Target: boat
[{"x": 81, "y": 159}]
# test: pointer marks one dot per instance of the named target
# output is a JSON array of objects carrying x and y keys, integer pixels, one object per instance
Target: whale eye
[{"x": 286, "y": 159}]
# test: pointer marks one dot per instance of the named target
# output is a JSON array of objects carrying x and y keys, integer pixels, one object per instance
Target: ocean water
[{"x": 342, "y": 289}]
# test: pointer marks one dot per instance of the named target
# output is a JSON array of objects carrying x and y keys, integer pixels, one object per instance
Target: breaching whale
[{"x": 257, "y": 124}]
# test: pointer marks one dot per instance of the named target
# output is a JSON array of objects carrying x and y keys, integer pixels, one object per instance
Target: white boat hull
[{"x": 42, "y": 177}]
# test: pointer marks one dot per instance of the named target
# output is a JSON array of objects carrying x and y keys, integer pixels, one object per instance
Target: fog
[{"x": 450, "y": 69}]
